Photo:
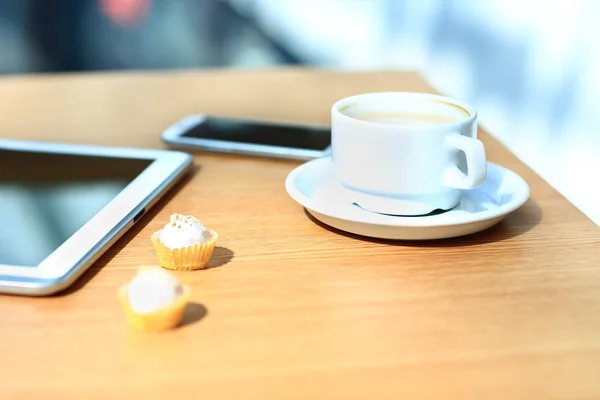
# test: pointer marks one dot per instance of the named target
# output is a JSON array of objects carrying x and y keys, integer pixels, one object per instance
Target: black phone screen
[{"x": 251, "y": 132}]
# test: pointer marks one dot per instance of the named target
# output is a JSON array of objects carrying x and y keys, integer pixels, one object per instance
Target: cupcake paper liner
[
  {"x": 185, "y": 258},
  {"x": 159, "y": 320}
]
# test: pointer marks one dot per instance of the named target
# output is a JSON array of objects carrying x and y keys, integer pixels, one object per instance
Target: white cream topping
[
  {"x": 183, "y": 231},
  {"x": 153, "y": 289}
]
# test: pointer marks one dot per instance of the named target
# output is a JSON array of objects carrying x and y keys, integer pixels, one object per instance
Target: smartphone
[{"x": 251, "y": 137}]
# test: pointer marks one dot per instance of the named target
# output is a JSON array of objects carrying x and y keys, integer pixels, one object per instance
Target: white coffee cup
[{"x": 403, "y": 153}]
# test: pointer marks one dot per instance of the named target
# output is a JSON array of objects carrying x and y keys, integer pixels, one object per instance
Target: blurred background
[{"x": 531, "y": 67}]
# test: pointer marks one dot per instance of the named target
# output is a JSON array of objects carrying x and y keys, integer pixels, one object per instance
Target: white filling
[
  {"x": 153, "y": 289},
  {"x": 183, "y": 231}
]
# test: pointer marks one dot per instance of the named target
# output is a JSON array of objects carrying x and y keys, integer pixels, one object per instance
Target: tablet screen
[{"x": 46, "y": 197}]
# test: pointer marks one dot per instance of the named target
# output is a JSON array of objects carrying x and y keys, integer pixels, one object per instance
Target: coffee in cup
[
  {"x": 405, "y": 118},
  {"x": 405, "y": 153}
]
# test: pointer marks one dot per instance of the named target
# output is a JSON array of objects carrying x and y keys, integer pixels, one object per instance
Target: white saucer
[{"x": 315, "y": 186}]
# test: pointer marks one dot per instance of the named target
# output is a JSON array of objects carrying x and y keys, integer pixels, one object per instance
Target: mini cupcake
[
  {"x": 184, "y": 243},
  {"x": 154, "y": 300}
]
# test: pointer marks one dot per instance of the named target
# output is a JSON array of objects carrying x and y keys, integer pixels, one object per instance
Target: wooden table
[{"x": 292, "y": 309}]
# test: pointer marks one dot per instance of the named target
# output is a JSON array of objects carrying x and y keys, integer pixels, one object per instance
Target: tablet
[{"x": 62, "y": 206}]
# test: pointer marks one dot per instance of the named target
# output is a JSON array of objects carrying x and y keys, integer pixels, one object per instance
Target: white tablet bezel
[{"x": 69, "y": 260}]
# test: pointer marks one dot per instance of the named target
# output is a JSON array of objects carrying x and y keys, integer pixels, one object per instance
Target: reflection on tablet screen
[{"x": 45, "y": 198}]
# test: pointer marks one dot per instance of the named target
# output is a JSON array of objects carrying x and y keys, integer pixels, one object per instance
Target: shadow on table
[
  {"x": 221, "y": 256},
  {"x": 515, "y": 224},
  {"x": 130, "y": 234},
  {"x": 194, "y": 312}
]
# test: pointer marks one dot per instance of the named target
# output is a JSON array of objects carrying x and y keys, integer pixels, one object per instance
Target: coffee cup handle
[{"x": 476, "y": 163}]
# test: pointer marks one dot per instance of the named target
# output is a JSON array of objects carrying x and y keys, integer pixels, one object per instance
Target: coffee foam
[{"x": 406, "y": 111}]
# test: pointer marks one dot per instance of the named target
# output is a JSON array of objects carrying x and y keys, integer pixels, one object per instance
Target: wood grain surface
[{"x": 292, "y": 309}]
